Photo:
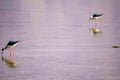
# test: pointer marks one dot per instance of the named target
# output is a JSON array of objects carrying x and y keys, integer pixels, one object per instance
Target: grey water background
[{"x": 56, "y": 43}]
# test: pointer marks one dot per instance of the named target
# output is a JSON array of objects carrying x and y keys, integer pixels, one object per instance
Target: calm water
[{"x": 56, "y": 43}]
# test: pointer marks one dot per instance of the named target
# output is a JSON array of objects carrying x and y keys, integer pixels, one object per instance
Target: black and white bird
[
  {"x": 95, "y": 16},
  {"x": 10, "y": 46}
]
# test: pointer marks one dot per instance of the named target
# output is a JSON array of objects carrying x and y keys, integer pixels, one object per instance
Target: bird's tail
[
  {"x": 18, "y": 41},
  {"x": 101, "y": 14}
]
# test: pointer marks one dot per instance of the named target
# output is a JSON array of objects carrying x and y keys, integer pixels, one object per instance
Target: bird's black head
[{"x": 3, "y": 49}]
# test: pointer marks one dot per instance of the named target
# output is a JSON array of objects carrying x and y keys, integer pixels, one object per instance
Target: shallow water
[{"x": 56, "y": 43}]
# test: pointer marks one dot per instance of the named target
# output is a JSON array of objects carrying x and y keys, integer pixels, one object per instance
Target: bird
[
  {"x": 10, "y": 46},
  {"x": 95, "y": 17}
]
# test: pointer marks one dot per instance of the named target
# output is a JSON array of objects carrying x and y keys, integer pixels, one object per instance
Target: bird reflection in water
[
  {"x": 95, "y": 30},
  {"x": 9, "y": 62}
]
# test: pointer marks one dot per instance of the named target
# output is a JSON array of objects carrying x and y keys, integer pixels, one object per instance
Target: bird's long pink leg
[
  {"x": 100, "y": 22},
  {"x": 11, "y": 54}
]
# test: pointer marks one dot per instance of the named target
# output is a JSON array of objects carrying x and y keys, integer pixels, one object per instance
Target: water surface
[{"x": 56, "y": 43}]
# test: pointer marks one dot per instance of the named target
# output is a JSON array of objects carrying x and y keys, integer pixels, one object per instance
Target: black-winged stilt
[
  {"x": 10, "y": 45},
  {"x": 95, "y": 17}
]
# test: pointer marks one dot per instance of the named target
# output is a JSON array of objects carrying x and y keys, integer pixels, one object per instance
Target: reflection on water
[
  {"x": 9, "y": 62},
  {"x": 56, "y": 41},
  {"x": 95, "y": 31}
]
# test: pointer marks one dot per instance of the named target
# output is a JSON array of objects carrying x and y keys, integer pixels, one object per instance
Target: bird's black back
[
  {"x": 97, "y": 15},
  {"x": 10, "y": 43}
]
